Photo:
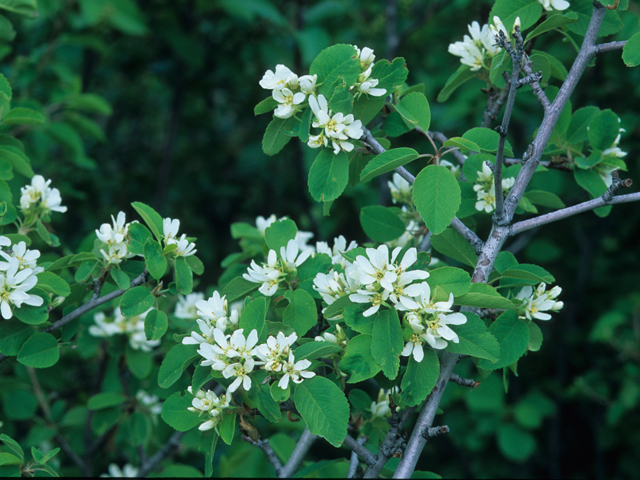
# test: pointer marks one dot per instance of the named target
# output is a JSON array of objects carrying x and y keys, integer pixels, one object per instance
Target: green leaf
[
  {"x": 27, "y": 8},
  {"x": 18, "y": 159},
  {"x": 484, "y": 296},
  {"x": 395, "y": 125},
  {"x": 475, "y": 339},
  {"x": 365, "y": 108},
  {"x": 414, "y": 108},
  {"x": 52, "y": 283},
  {"x": 551, "y": 23},
  {"x": 558, "y": 70},
  {"x": 513, "y": 336},
  {"x": 603, "y": 129},
  {"x": 335, "y": 62},
  {"x": 535, "y": 337},
  {"x": 207, "y": 445},
  {"x": 121, "y": 278},
  {"x": 253, "y": 316},
  {"x": 584, "y": 8},
  {"x": 245, "y": 230},
  {"x": 546, "y": 199},
  {"x": 139, "y": 362},
  {"x": 44, "y": 233},
  {"x": 267, "y": 105},
  {"x": 389, "y": 75},
  {"x": 176, "y": 415},
  {"x": 313, "y": 350},
  {"x": 529, "y": 12},
  {"x": 528, "y": 273},
  {"x": 13, "y": 445},
  {"x": 201, "y": 375},
  {"x": 487, "y": 140},
  {"x": 324, "y": 408},
  {"x": 12, "y": 337},
  {"x": 594, "y": 158},
  {"x": 267, "y": 405},
  {"x": 451, "y": 280},
  {"x": 420, "y": 378},
  {"x": 9, "y": 459},
  {"x": 386, "y": 162},
  {"x": 387, "y": 343},
  {"x": 381, "y": 224},
  {"x": 463, "y": 144},
  {"x": 504, "y": 260},
  {"x": 184, "y": 276},
  {"x": 23, "y": 116},
  {"x": 514, "y": 443},
  {"x": 89, "y": 102},
  {"x": 279, "y": 233},
  {"x": 436, "y": 194},
  {"x": 154, "y": 259},
  {"x": 301, "y": 314},
  {"x": 354, "y": 318},
  {"x": 238, "y": 288},
  {"x": 136, "y": 301},
  {"x": 155, "y": 324},
  {"x": 39, "y": 351},
  {"x": 541, "y": 64},
  {"x": 32, "y": 315},
  {"x": 151, "y": 218},
  {"x": 631, "y": 51},
  {"x": 459, "y": 77},
  {"x": 279, "y": 394},
  {"x": 590, "y": 181},
  {"x": 341, "y": 100},
  {"x": 453, "y": 245},
  {"x": 329, "y": 175},
  {"x": 227, "y": 428},
  {"x": 105, "y": 400},
  {"x": 277, "y": 135},
  {"x": 358, "y": 361},
  {"x": 176, "y": 361}
]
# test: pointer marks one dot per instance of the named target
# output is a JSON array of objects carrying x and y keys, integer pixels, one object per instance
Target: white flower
[
  {"x": 14, "y": 285},
  {"x": 263, "y": 223},
  {"x": 302, "y": 238},
  {"x": 128, "y": 471},
  {"x": 455, "y": 169},
  {"x": 117, "y": 233},
  {"x": 397, "y": 291},
  {"x": 469, "y": 52},
  {"x": 26, "y": 258},
  {"x": 170, "y": 229},
  {"x": 117, "y": 252},
  {"x": 554, "y": 4},
  {"x": 214, "y": 310},
  {"x": 535, "y": 303},
  {"x": 374, "y": 298},
  {"x": 290, "y": 255},
  {"x": 308, "y": 83},
  {"x": 294, "y": 371},
  {"x": 39, "y": 191},
  {"x": 381, "y": 407},
  {"x": 205, "y": 335},
  {"x": 317, "y": 141},
  {"x": 376, "y": 267},
  {"x": 288, "y": 101},
  {"x": 186, "y": 307},
  {"x": 104, "y": 328},
  {"x": 268, "y": 275},
  {"x": 414, "y": 345},
  {"x": 278, "y": 80},
  {"x": 400, "y": 189},
  {"x": 275, "y": 352},
  {"x": 498, "y": 26},
  {"x": 367, "y": 88},
  {"x": 185, "y": 247},
  {"x": 209, "y": 404},
  {"x": 138, "y": 341},
  {"x": 486, "y": 200},
  {"x": 438, "y": 331},
  {"x": 152, "y": 402},
  {"x": 366, "y": 57},
  {"x": 339, "y": 247}
]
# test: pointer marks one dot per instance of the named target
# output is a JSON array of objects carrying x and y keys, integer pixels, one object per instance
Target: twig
[
  {"x": 435, "y": 431},
  {"x": 609, "y": 47},
  {"x": 167, "y": 449},
  {"x": 303, "y": 446},
  {"x": 468, "y": 234},
  {"x": 535, "y": 85},
  {"x": 495, "y": 101},
  {"x": 268, "y": 450},
  {"x": 465, "y": 382},
  {"x": 441, "y": 138},
  {"x": 354, "y": 464},
  {"x": 358, "y": 448}
]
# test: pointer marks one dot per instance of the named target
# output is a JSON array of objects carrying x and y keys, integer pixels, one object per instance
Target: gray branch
[
  {"x": 358, "y": 448},
  {"x": 268, "y": 450},
  {"x": 302, "y": 447},
  {"x": 167, "y": 449},
  {"x": 495, "y": 102},
  {"x": 464, "y": 382},
  {"x": 435, "y": 431},
  {"x": 535, "y": 85},
  {"x": 610, "y": 47},
  {"x": 354, "y": 464}
]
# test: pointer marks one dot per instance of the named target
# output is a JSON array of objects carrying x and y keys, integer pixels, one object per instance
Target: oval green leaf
[{"x": 436, "y": 194}]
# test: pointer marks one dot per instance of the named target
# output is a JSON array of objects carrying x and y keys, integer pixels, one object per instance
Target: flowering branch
[
  {"x": 268, "y": 450},
  {"x": 303, "y": 446},
  {"x": 354, "y": 464}
]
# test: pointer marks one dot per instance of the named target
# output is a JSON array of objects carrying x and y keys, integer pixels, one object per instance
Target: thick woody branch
[
  {"x": 464, "y": 382},
  {"x": 358, "y": 448},
  {"x": 302, "y": 447},
  {"x": 268, "y": 450},
  {"x": 354, "y": 464}
]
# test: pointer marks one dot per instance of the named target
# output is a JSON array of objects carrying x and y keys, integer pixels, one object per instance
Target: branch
[
  {"x": 441, "y": 138},
  {"x": 535, "y": 85},
  {"x": 425, "y": 419},
  {"x": 609, "y": 47},
  {"x": 268, "y": 450},
  {"x": 354, "y": 464},
  {"x": 365, "y": 455},
  {"x": 435, "y": 431},
  {"x": 464, "y": 382},
  {"x": 303, "y": 446},
  {"x": 167, "y": 449},
  {"x": 94, "y": 302},
  {"x": 494, "y": 105}
]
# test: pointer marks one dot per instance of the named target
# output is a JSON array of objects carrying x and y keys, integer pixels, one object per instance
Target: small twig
[
  {"x": 354, "y": 464},
  {"x": 365, "y": 455},
  {"x": 465, "y": 382},
  {"x": 609, "y": 47},
  {"x": 441, "y": 138},
  {"x": 167, "y": 449},
  {"x": 268, "y": 450},
  {"x": 495, "y": 101},
  {"x": 302, "y": 447},
  {"x": 468, "y": 234},
  {"x": 435, "y": 431}
]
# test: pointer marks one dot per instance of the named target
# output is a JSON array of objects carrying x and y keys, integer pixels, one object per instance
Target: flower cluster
[
  {"x": 277, "y": 357},
  {"x": 116, "y": 239},
  {"x": 486, "y": 189},
  {"x": 183, "y": 247},
  {"x": 118, "y": 324},
  {"x": 610, "y": 160},
  {"x": 210, "y": 405},
  {"x": 534, "y": 303},
  {"x": 372, "y": 280},
  {"x": 476, "y": 50},
  {"x": 380, "y": 408},
  {"x": 289, "y": 90},
  {"x": 186, "y": 307},
  {"x": 17, "y": 277},
  {"x": 151, "y": 402},
  {"x": 39, "y": 197},
  {"x": 365, "y": 84},
  {"x": 339, "y": 337},
  {"x": 278, "y": 267},
  {"x": 211, "y": 314},
  {"x": 336, "y": 252},
  {"x": 554, "y": 4},
  {"x": 428, "y": 321},
  {"x": 401, "y": 190},
  {"x": 337, "y": 128},
  {"x": 301, "y": 237},
  {"x": 128, "y": 471}
]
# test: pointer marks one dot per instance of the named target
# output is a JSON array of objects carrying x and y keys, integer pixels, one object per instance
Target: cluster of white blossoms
[
  {"x": 605, "y": 169},
  {"x": 210, "y": 405},
  {"x": 186, "y": 306},
  {"x": 534, "y": 303},
  {"x": 374, "y": 279},
  {"x": 17, "y": 276},
  {"x": 211, "y": 314},
  {"x": 339, "y": 337},
  {"x": 481, "y": 46},
  {"x": 337, "y": 128},
  {"x": 278, "y": 359},
  {"x": 151, "y": 402},
  {"x": 429, "y": 321},
  {"x": 289, "y": 90},
  {"x": 554, "y": 4},
  {"x": 365, "y": 84},
  {"x": 380, "y": 408},
  {"x": 278, "y": 268},
  {"x": 116, "y": 239},
  {"x": 118, "y": 324},
  {"x": 486, "y": 189},
  {"x": 301, "y": 237},
  {"x": 401, "y": 190},
  {"x": 128, "y": 471},
  {"x": 40, "y": 197},
  {"x": 183, "y": 247}
]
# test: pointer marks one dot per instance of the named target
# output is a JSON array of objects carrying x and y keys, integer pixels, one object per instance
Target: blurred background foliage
[{"x": 152, "y": 101}]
